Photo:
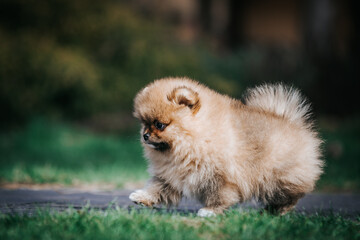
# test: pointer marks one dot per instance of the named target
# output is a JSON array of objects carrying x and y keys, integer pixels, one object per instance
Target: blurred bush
[{"x": 74, "y": 59}]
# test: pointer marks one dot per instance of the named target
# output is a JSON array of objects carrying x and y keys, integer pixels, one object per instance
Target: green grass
[
  {"x": 53, "y": 153},
  {"x": 45, "y": 152},
  {"x": 120, "y": 224},
  {"x": 342, "y": 155}
]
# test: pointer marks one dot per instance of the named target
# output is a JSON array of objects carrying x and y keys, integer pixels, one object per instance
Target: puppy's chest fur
[{"x": 187, "y": 174}]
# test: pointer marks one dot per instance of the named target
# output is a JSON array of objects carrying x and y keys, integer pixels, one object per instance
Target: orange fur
[{"x": 221, "y": 151}]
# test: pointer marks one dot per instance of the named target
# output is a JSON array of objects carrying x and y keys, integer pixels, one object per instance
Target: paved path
[{"x": 28, "y": 201}]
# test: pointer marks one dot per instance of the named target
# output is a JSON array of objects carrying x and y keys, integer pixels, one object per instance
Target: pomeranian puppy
[{"x": 204, "y": 145}]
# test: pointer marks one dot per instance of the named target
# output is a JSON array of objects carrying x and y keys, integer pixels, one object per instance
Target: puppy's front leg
[{"x": 156, "y": 192}]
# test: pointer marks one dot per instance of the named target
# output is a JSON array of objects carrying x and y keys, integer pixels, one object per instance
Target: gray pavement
[{"x": 25, "y": 201}]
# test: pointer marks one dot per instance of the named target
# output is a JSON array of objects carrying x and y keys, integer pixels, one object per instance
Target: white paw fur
[
  {"x": 203, "y": 212},
  {"x": 139, "y": 196}
]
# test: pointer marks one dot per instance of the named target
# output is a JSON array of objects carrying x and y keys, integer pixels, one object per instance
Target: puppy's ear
[{"x": 185, "y": 96}]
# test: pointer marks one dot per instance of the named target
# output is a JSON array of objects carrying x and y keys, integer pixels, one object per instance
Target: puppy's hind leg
[
  {"x": 282, "y": 204},
  {"x": 156, "y": 192},
  {"x": 216, "y": 201}
]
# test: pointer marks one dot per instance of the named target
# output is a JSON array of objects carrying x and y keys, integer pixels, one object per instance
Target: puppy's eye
[{"x": 159, "y": 125}]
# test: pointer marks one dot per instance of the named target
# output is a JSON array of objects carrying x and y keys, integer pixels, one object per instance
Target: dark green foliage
[{"x": 75, "y": 58}]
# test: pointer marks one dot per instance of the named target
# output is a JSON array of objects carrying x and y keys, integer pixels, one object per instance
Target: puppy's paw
[
  {"x": 206, "y": 212},
  {"x": 142, "y": 197}
]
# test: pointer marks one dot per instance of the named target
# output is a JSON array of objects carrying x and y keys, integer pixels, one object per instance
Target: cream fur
[
  {"x": 222, "y": 151},
  {"x": 203, "y": 212}
]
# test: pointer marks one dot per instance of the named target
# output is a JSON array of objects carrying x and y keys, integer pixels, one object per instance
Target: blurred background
[{"x": 69, "y": 71}]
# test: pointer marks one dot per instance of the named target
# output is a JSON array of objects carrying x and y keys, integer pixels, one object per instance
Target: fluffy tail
[{"x": 284, "y": 101}]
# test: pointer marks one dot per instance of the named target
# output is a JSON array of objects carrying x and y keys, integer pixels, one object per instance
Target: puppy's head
[{"x": 166, "y": 109}]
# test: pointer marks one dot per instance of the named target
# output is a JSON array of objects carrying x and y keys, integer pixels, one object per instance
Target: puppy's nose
[{"x": 146, "y": 136}]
